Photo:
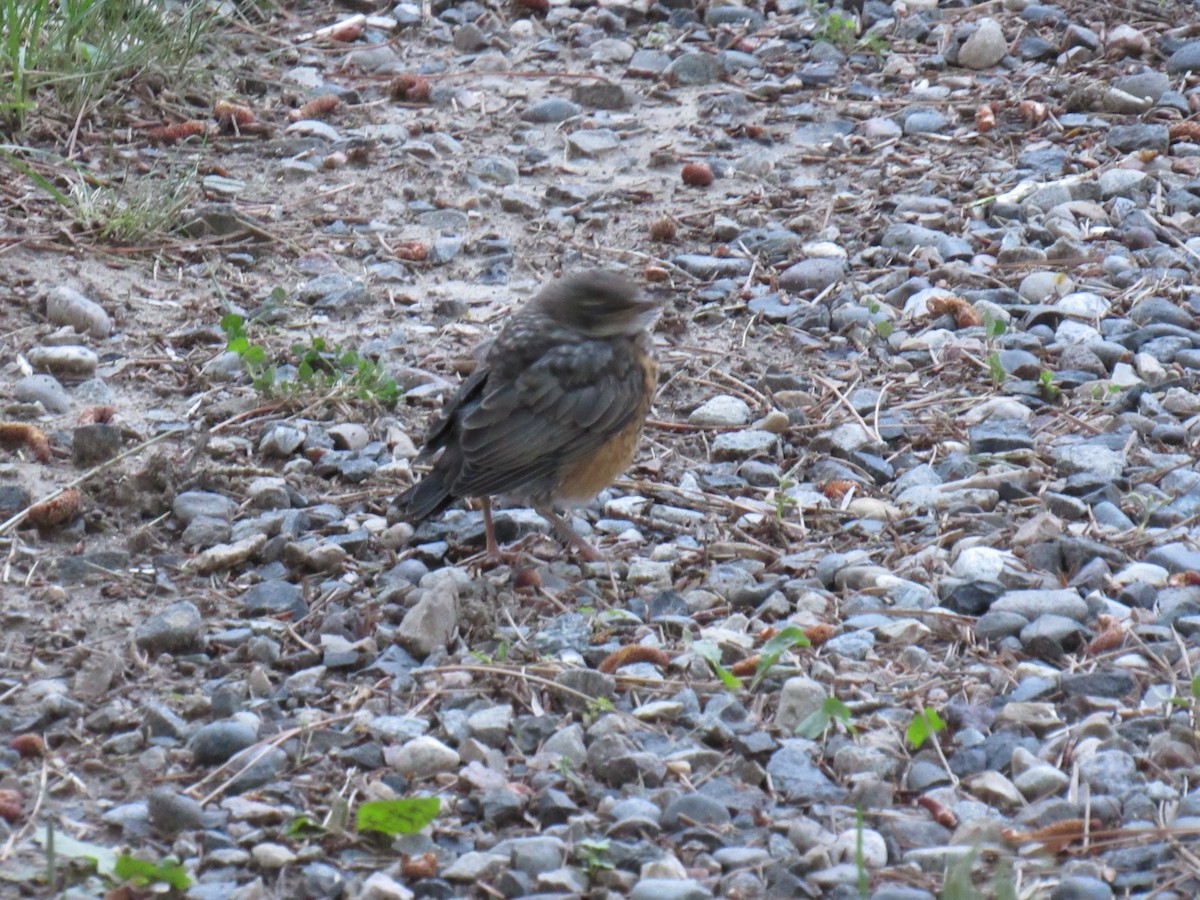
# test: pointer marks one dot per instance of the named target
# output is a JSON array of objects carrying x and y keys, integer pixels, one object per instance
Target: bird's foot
[{"x": 566, "y": 534}]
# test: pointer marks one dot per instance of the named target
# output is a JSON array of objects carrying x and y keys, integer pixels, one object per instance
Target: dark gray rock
[{"x": 218, "y": 742}]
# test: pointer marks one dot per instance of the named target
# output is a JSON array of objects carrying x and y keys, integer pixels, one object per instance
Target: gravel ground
[{"x": 923, "y": 453}]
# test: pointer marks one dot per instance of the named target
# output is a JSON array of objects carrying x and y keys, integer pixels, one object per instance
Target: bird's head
[{"x": 598, "y": 303}]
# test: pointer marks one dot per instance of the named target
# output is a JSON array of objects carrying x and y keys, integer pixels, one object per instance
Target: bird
[{"x": 553, "y": 413}]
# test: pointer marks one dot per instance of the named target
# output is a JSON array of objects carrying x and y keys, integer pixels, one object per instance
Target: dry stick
[
  {"x": 33, "y": 815},
  {"x": 19, "y": 517},
  {"x": 536, "y": 679},
  {"x": 833, "y": 388},
  {"x": 657, "y": 260},
  {"x": 1171, "y": 239},
  {"x": 263, "y": 747}
]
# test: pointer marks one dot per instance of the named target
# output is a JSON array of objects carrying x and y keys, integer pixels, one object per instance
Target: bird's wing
[
  {"x": 441, "y": 431},
  {"x": 567, "y": 404}
]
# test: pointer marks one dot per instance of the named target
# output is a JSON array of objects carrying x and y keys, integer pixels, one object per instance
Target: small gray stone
[
  {"x": 1111, "y": 772},
  {"x": 734, "y": 15},
  {"x": 1185, "y": 59},
  {"x": 43, "y": 389},
  {"x": 925, "y": 121},
  {"x": 469, "y": 38},
  {"x": 432, "y": 621},
  {"x": 906, "y": 238},
  {"x": 797, "y": 777},
  {"x": 589, "y": 683},
  {"x": 1081, "y": 887},
  {"x": 812, "y": 274},
  {"x": 333, "y": 291},
  {"x": 171, "y": 812},
  {"x": 669, "y": 889},
  {"x": 551, "y": 110},
  {"x": 711, "y": 268},
  {"x": 217, "y": 742},
  {"x": 692, "y": 67},
  {"x": 602, "y": 95},
  {"x": 852, "y": 645},
  {"x": 513, "y": 200},
  {"x": 1149, "y": 84},
  {"x": 1139, "y": 136},
  {"x": 280, "y": 441},
  {"x": 176, "y": 628},
  {"x": 1175, "y": 557},
  {"x": 744, "y": 444},
  {"x": 206, "y": 531},
  {"x": 723, "y": 410},
  {"x": 985, "y": 47},
  {"x": 275, "y": 597},
  {"x": 320, "y": 880},
  {"x": 593, "y": 142},
  {"x": 495, "y": 169},
  {"x": 1049, "y": 636},
  {"x": 422, "y": 757},
  {"x": 94, "y": 444},
  {"x": 1034, "y": 603},
  {"x": 799, "y": 698},
  {"x": 695, "y": 807},
  {"x": 648, "y": 64},
  {"x": 68, "y": 361},
  {"x": 257, "y": 768},
  {"x": 997, "y": 625},
  {"x": 66, "y": 306},
  {"x": 534, "y": 855}
]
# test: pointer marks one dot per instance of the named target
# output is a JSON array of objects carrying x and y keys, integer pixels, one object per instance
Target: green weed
[
  {"x": 319, "y": 366},
  {"x": 77, "y": 51},
  {"x": 141, "y": 207},
  {"x": 924, "y": 725}
]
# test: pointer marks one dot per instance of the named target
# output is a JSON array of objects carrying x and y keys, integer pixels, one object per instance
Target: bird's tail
[{"x": 424, "y": 499}]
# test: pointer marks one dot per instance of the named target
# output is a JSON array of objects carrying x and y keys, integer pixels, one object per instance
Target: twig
[{"x": 19, "y": 517}]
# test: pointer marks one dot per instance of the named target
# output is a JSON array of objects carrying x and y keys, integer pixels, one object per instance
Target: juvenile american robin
[{"x": 553, "y": 413}]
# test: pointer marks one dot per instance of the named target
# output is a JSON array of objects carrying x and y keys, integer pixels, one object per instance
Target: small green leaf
[
  {"x": 301, "y": 826},
  {"x": 774, "y": 648},
  {"x": 995, "y": 369},
  {"x": 785, "y": 640},
  {"x": 239, "y": 345},
  {"x": 836, "y": 709},
  {"x": 926, "y": 723},
  {"x": 254, "y": 355},
  {"x": 406, "y": 816},
  {"x": 817, "y": 722},
  {"x": 598, "y": 705},
  {"x": 884, "y": 329},
  {"x": 232, "y": 325},
  {"x": 710, "y": 651},
  {"x": 996, "y": 327},
  {"x": 813, "y": 725},
  {"x": 130, "y": 868}
]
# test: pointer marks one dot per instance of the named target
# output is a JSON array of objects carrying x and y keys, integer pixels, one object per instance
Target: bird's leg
[
  {"x": 493, "y": 547},
  {"x": 564, "y": 532}
]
